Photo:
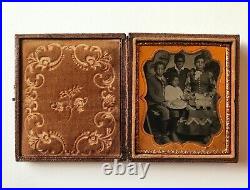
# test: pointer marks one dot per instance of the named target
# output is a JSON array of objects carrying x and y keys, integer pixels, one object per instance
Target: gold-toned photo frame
[{"x": 224, "y": 145}]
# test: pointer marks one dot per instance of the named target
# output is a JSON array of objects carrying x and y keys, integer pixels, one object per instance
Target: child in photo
[
  {"x": 174, "y": 97},
  {"x": 173, "y": 91}
]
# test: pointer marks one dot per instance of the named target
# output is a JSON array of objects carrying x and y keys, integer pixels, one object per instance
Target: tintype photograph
[
  {"x": 184, "y": 93},
  {"x": 182, "y": 97}
]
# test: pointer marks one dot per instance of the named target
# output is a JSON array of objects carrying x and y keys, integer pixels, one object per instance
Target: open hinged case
[{"x": 145, "y": 97}]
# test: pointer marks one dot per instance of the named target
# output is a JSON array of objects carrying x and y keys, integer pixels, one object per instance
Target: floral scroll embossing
[
  {"x": 93, "y": 58},
  {"x": 85, "y": 57},
  {"x": 39, "y": 141},
  {"x": 69, "y": 102}
]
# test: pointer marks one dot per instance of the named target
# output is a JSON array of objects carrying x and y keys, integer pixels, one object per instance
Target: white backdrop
[{"x": 216, "y": 18}]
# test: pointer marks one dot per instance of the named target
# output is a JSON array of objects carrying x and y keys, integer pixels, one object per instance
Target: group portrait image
[{"x": 182, "y": 97}]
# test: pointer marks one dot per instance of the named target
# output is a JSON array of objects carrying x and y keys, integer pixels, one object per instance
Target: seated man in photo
[{"x": 156, "y": 100}]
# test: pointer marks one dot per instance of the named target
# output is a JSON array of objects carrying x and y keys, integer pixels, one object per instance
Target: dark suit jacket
[
  {"x": 173, "y": 72},
  {"x": 155, "y": 90}
]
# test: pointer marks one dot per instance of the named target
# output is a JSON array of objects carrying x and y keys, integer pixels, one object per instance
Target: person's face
[
  {"x": 175, "y": 82},
  {"x": 159, "y": 70},
  {"x": 200, "y": 64},
  {"x": 179, "y": 63},
  {"x": 163, "y": 57}
]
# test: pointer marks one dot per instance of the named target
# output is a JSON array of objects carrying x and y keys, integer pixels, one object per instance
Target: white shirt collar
[{"x": 179, "y": 69}]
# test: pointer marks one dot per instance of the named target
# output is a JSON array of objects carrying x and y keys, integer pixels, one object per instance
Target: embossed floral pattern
[
  {"x": 109, "y": 101},
  {"x": 92, "y": 57},
  {"x": 93, "y": 138},
  {"x": 79, "y": 103},
  {"x": 44, "y": 137},
  {"x": 34, "y": 139},
  {"x": 69, "y": 102},
  {"x": 58, "y": 106}
]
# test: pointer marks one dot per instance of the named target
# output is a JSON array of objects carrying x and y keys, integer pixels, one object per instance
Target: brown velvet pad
[{"x": 68, "y": 97}]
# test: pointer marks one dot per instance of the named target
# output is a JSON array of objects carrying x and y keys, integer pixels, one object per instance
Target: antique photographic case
[{"x": 141, "y": 97}]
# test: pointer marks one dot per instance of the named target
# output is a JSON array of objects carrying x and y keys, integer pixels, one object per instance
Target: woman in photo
[{"x": 200, "y": 90}]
